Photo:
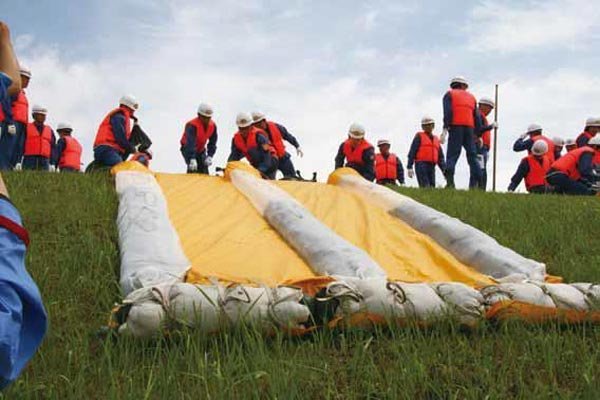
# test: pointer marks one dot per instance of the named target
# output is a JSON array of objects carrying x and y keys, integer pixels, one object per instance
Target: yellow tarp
[{"x": 225, "y": 237}]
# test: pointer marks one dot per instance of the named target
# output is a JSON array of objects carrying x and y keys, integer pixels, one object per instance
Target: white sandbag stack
[
  {"x": 326, "y": 252},
  {"x": 151, "y": 253},
  {"x": 211, "y": 308},
  {"x": 400, "y": 301},
  {"x": 468, "y": 244}
]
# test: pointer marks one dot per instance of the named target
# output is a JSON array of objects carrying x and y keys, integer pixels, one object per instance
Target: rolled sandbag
[
  {"x": 463, "y": 302},
  {"x": 422, "y": 302},
  {"x": 591, "y": 292},
  {"x": 196, "y": 306},
  {"x": 566, "y": 297},
  {"x": 523, "y": 292}
]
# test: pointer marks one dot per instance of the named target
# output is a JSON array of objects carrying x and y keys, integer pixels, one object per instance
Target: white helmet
[
  {"x": 356, "y": 131},
  {"x": 487, "y": 101},
  {"x": 258, "y": 116},
  {"x": 459, "y": 79},
  {"x": 592, "y": 121},
  {"x": 37, "y": 109},
  {"x": 381, "y": 142},
  {"x": 560, "y": 142},
  {"x": 24, "y": 71},
  {"x": 570, "y": 142},
  {"x": 205, "y": 110},
  {"x": 539, "y": 148},
  {"x": 129, "y": 101},
  {"x": 64, "y": 126},
  {"x": 595, "y": 141},
  {"x": 534, "y": 128},
  {"x": 243, "y": 120},
  {"x": 427, "y": 120}
]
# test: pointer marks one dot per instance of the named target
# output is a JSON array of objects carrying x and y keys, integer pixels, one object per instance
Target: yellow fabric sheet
[{"x": 225, "y": 237}]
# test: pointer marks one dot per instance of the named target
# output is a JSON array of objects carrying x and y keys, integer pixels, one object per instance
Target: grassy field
[{"x": 74, "y": 259}]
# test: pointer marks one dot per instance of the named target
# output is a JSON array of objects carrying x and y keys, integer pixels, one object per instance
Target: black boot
[{"x": 449, "y": 180}]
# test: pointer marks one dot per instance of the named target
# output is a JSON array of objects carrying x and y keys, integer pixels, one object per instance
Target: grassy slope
[{"x": 74, "y": 259}]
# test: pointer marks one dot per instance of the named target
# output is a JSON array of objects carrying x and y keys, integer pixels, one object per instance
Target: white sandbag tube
[
  {"x": 325, "y": 251},
  {"x": 468, "y": 244},
  {"x": 150, "y": 249}
]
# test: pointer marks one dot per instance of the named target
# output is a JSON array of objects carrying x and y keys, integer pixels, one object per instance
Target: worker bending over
[
  {"x": 357, "y": 153},
  {"x": 112, "y": 145},
  {"x": 526, "y": 140},
  {"x": 199, "y": 141},
  {"x": 425, "y": 153},
  {"x": 39, "y": 150},
  {"x": 277, "y": 134},
  {"x": 592, "y": 127},
  {"x": 461, "y": 123},
  {"x": 483, "y": 141},
  {"x": 388, "y": 167},
  {"x": 253, "y": 143},
  {"x": 574, "y": 172},
  {"x": 68, "y": 149},
  {"x": 533, "y": 169}
]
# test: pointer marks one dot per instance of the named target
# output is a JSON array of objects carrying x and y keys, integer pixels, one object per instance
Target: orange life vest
[
  {"x": 71, "y": 155},
  {"x": 276, "y": 138},
  {"x": 463, "y": 107},
  {"x": 568, "y": 164},
  {"x": 354, "y": 155},
  {"x": 429, "y": 150},
  {"x": 36, "y": 143},
  {"x": 386, "y": 168},
  {"x": 584, "y": 134},
  {"x": 20, "y": 108},
  {"x": 537, "y": 171},
  {"x": 486, "y": 137},
  {"x": 202, "y": 135},
  {"x": 550, "y": 144},
  {"x": 105, "y": 135},
  {"x": 245, "y": 145}
]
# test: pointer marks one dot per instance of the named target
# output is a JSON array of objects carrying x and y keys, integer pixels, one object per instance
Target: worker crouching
[
  {"x": 533, "y": 169},
  {"x": 199, "y": 141},
  {"x": 574, "y": 172}
]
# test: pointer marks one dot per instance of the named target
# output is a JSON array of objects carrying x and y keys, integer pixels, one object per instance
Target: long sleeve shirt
[
  {"x": 522, "y": 172},
  {"x": 414, "y": 149},
  {"x": 5, "y": 101},
  {"x": 447, "y": 105},
  {"x": 23, "y": 320},
  {"x": 61, "y": 145},
  {"x": 586, "y": 167},
  {"x": 189, "y": 149},
  {"x": 259, "y": 157},
  {"x": 117, "y": 123},
  {"x": 367, "y": 169}
]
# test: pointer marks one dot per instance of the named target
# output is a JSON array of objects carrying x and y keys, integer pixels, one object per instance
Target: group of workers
[{"x": 28, "y": 144}]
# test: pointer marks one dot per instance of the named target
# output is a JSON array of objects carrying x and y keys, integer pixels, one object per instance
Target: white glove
[
  {"x": 494, "y": 125},
  {"x": 411, "y": 173},
  {"x": 443, "y": 136},
  {"x": 52, "y": 168},
  {"x": 19, "y": 167},
  {"x": 193, "y": 165},
  {"x": 299, "y": 152},
  {"x": 523, "y": 136},
  {"x": 208, "y": 161},
  {"x": 12, "y": 130}
]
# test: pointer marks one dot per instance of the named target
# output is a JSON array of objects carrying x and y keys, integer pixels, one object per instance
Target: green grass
[{"x": 74, "y": 259}]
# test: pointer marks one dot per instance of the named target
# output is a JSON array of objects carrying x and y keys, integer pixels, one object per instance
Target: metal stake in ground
[{"x": 495, "y": 136}]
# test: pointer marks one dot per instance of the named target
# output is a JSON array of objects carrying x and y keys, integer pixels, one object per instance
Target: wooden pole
[{"x": 495, "y": 138}]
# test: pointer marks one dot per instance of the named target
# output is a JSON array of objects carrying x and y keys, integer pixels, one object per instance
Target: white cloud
[{"x": 518, "y": 27}]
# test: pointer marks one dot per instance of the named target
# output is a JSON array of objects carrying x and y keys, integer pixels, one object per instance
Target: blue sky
[{"x": 313, "y": 66}]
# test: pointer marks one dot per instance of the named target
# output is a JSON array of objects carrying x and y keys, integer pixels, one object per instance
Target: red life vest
[
  {"x": 596, "y": 160},
  {"x": 486, "y": 137},
  {"x": 276, "y": 138},
  {"x": 105, "y": 135},
  {"x": 586, "y": 135},
  {"x": 20, "y": 108},
  {"x": 71, "y": 155},
  {"x": 354, "y": 155},
  {"x": 550, "y": 144},
  {"x": 245, "y": 145},
  {"x": 386, "y": 168},
  {"x": 36, "y": 143},
  {"x": 202, "y": 135},
  {"x": 568, "y": 164},
  {"x": 429, "y": 151},
  {"x": 537, "y": 171},
  {"x": 463, "y": 106}
]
